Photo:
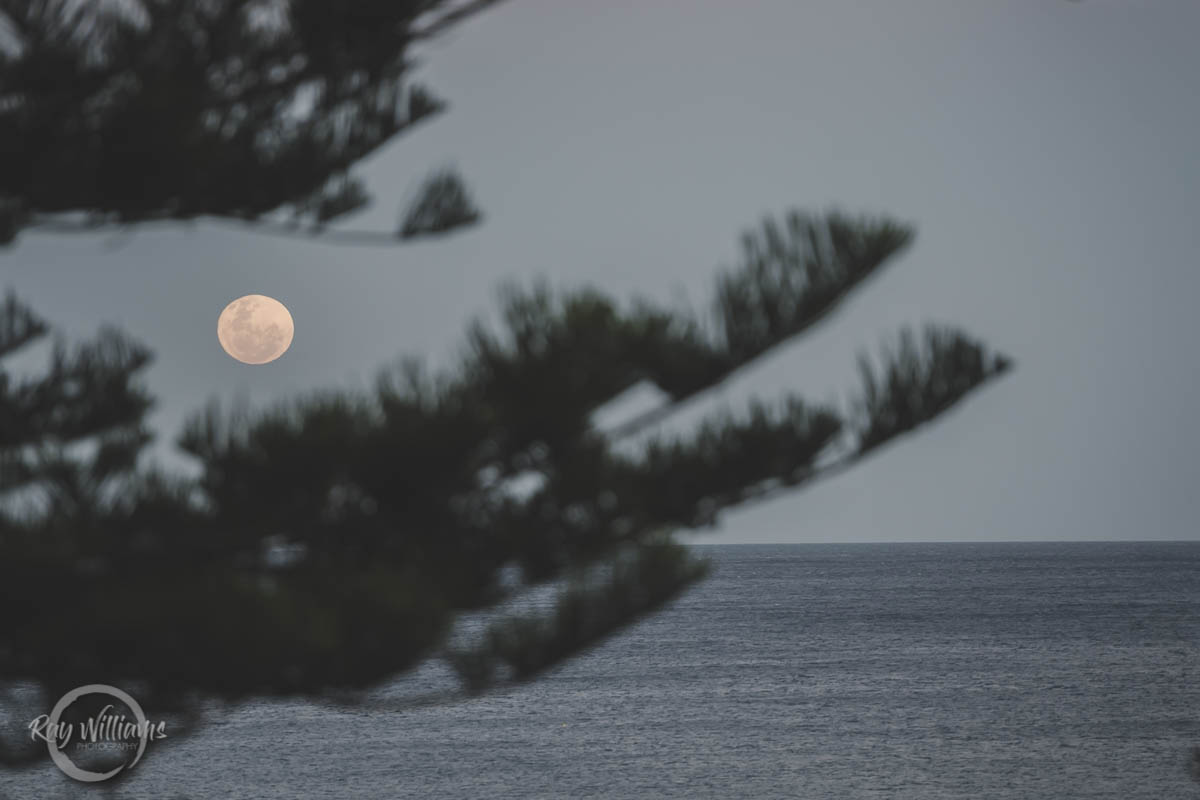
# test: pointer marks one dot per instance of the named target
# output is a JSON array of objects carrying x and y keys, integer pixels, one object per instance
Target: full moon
[{"x": 255, "y": 329}]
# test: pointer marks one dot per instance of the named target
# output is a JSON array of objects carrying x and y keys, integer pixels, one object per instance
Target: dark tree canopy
[
  {"x": 334, "y": 542},
  {"x": 127, "y": 112},
  {"x": 331, "y": 543}
]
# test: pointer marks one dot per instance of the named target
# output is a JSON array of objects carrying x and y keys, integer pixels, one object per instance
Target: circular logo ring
[{"x": 66, "y": 764}]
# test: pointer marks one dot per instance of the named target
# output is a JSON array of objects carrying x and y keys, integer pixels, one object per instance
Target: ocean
[{"x": 923, "y": 671}]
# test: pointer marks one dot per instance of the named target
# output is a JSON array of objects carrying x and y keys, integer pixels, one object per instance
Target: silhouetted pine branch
[
  {"x": 181, "y": 109},
  {"x": 790, "y": 278},
  {"x": 332, "y": 542},
  {"x": 442, "y": 205},
  {"x": 916, "y": 384}
]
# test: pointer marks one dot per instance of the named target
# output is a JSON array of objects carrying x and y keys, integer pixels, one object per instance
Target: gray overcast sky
[{"x": 1046, "y": 150}]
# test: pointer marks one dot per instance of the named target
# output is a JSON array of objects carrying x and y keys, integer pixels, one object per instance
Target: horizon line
[{"x": 959, "y": 541}]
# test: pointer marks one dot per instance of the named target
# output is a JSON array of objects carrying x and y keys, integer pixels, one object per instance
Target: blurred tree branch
[
  {"x": 334, "y": 542},
  {"x": 127, "y": 113}
]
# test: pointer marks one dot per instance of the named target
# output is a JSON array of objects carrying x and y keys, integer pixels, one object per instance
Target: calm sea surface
[{"x": 926, "y": 671}]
